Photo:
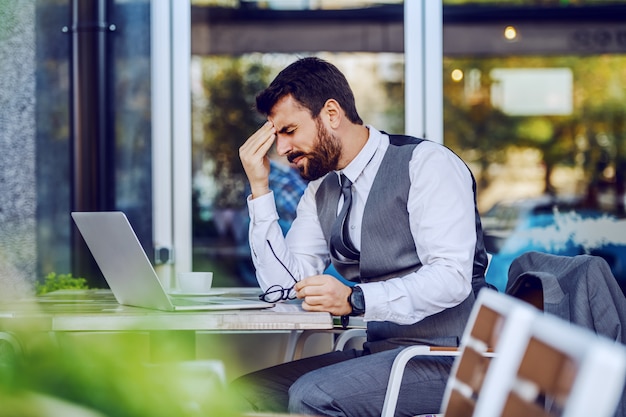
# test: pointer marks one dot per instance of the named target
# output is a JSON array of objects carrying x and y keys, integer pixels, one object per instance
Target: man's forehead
[{"x": 287, "y": 112}]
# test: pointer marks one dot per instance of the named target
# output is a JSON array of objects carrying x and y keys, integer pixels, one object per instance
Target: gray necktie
[{"x": 340, "y": 237}]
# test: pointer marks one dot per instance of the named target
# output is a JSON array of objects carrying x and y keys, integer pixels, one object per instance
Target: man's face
[{"x": 305, "y": 141}]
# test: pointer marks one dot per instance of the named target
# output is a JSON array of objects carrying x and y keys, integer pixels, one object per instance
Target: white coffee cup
[{"x": 195, "y": 282}]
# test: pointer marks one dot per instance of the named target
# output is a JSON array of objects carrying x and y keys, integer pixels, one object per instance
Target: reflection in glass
[
  {"x": 52, "y": 121},
  {"x": 131, "y": 85},
  {"x": 549, "y": 159},
  {"x": 224, "y": 115},
  {"x": 571, "y": 147},
  {"x": 133, "y": 157}
]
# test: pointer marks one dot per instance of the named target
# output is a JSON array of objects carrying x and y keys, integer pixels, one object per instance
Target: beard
[{"x": 323, "y": 158}]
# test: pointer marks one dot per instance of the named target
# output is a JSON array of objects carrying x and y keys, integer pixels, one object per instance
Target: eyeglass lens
[{"x": 276, "y": 292}]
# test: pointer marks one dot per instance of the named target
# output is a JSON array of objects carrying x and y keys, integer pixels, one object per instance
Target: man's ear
[{"x": 333, "y": 111}]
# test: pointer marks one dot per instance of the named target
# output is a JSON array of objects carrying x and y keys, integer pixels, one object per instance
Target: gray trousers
[{"x": 347, "y": 383}]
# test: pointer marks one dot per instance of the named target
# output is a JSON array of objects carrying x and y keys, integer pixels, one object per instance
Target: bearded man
[{"x": 397, "y": 218}]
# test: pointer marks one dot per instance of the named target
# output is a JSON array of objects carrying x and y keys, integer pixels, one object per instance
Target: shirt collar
[{"x": 358, "y": 164}]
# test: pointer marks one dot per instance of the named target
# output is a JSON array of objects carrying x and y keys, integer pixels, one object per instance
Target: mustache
[{"x": 292, "y": 156}]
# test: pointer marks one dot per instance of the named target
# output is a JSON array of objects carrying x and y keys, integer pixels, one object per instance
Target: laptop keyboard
[{"x": 178, "y": 301}]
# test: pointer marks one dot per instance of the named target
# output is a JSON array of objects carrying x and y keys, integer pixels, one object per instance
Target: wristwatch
[{"x": 357, "y": 301}]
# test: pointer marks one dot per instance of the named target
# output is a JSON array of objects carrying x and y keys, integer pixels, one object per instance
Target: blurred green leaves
[
  {"x": 54, "y": 282},
  {"x": 111, "y": 376}
]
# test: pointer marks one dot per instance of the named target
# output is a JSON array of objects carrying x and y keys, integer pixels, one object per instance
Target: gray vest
[{"x": 388, "y": 249}]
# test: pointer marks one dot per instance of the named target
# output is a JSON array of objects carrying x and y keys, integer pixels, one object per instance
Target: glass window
[
  {"x": 39, "y": 69},
  {"x": 223, "y": 93},
  {"x": 531, "y": 3},
  {"x": 132, "y": 113},
  {"x": 532, "y": 104},
  {"x": 52, "y": 121},
  {"x": 224, "y": 86},
  {"x": 536, "y": 108}
]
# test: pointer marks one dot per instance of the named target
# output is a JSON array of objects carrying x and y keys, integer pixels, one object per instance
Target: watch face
[{"x": 357, "y": 300}]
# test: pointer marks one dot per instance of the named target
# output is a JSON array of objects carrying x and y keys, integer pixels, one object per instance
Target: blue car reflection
[{"x": 557, "y": 229}]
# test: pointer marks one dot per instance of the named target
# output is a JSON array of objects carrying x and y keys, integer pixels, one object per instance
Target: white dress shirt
[{"x": 441, "y": 214}]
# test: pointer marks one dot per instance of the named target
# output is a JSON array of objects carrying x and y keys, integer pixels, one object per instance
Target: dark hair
[{"x": 311, "y": 82}]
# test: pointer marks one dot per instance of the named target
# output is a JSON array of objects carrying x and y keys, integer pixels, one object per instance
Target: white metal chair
[
  {"x": 493, "y": 317},
  {"x": 560, "y": 370}
]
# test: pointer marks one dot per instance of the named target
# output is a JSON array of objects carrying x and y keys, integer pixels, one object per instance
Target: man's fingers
[
  {"x": 314, "y": 303},
  {"x": 260, "y": 141},
  {"x": 253, "y": 155}
]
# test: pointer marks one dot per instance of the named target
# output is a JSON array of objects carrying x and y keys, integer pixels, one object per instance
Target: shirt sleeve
[
  {"x": 301, "y": 253},
  {"x": 442, "y": 220}
]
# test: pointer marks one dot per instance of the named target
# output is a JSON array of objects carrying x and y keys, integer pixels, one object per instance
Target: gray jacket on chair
[{"x": 580, "y": 289}]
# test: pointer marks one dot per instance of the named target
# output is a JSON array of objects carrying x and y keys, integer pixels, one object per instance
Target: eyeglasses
[{"x": 277, "y": 292}]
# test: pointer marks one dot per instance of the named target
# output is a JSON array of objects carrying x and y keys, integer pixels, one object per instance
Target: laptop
[{"x": 128, "y": 271}]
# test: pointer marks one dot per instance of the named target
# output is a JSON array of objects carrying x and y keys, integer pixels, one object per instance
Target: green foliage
[
  {"x": 111, "y": 376},
  {"x": 538, "y": 130},
  {"x": 592, "y": 138},
  {"x": 53, "y": 282},
  {"x": 104, "y": 374},
  {"x": 228, "y": 118}
]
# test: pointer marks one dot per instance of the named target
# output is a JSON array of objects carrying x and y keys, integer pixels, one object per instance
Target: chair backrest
[
  {"x": 561, "y": 370},
  {"x": 580, "y": 289},
  {"x": 494, "y": 316}
]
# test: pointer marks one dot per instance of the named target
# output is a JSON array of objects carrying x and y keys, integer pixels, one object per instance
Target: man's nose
[{"x": 283, "y": 146}]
